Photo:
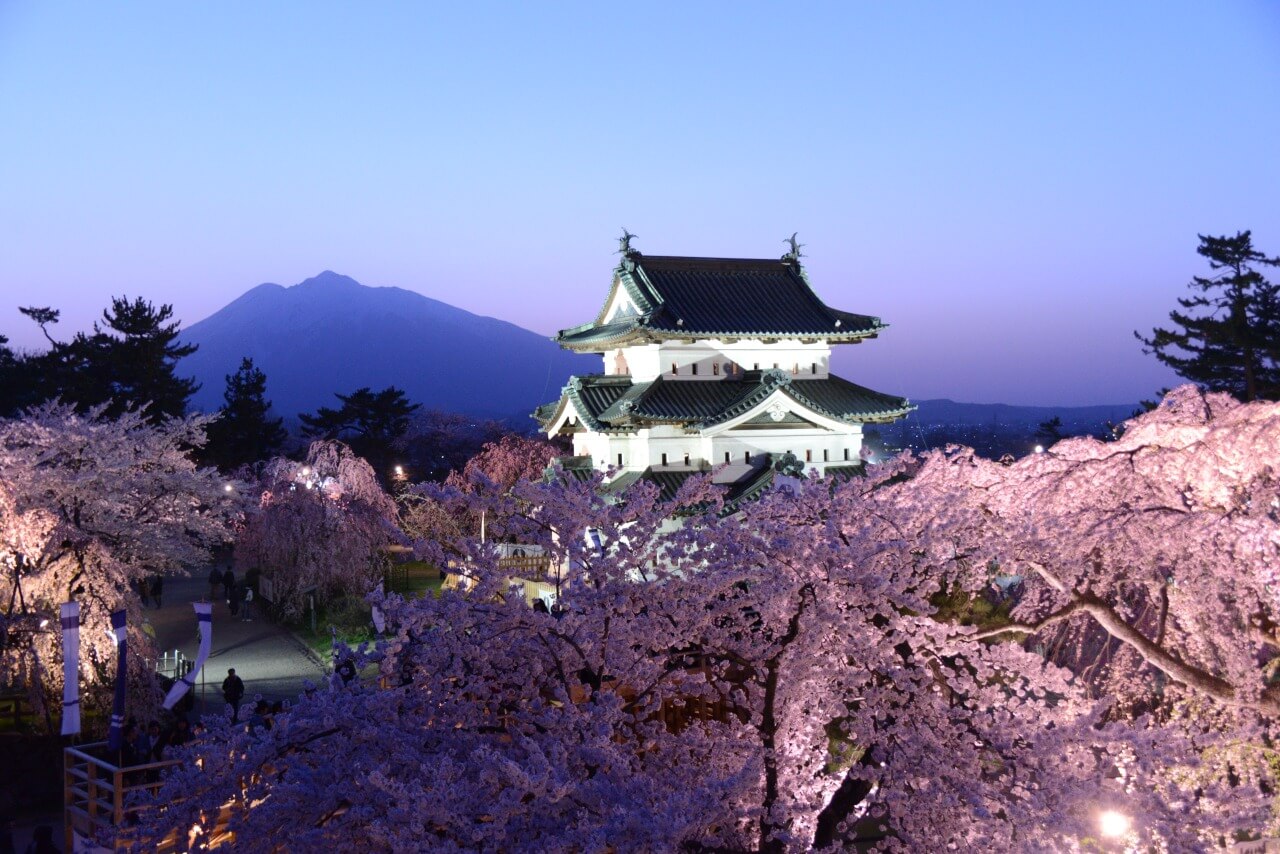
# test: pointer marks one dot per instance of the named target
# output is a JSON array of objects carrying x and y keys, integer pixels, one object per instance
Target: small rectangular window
[
  {"x": 715, "y": 369},
  {"x": 814, "y": 369},
  {"x": 726, "y": 456},
  {"x": 619, "y": 460},
  {"x": 826, "y": 455},
  {"x": 846, "y": 453},
  {"x": 795, "y": 369},
  {"x": 686, "y": 459},
  {"x": 674, "y": 370},
  {"x": 746, "y": 456},
  {"x": 757, "y": 367},
  {"x": 808, "y": 455},
  {"x": 693, "y": 369},
  {"x": 664, "y": 459}
]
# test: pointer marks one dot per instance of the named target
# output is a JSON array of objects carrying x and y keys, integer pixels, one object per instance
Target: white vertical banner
[
  {"x": 70, "y": 668},
  {"x": 379, "y": 618},
  {"x": 204, "y": 622}
]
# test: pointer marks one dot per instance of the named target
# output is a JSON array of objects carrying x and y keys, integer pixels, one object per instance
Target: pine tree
[
  {"x": 370, "y": 422},
  {"x": 1229, "y": 332},
  {"x": 244, "y": 433},
  {"x": 129, "y": 360}
]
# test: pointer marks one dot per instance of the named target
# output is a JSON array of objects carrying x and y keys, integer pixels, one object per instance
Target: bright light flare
[
  {"x": 228, "y": 488},
  {"x": 1039, "y": 449},
  {"x": 1113, "y": 824}
]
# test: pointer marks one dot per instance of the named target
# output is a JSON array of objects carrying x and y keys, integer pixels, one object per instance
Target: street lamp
[
  {"x": 1039, "y": 449},
  {"x": 1113, "y": 824}
]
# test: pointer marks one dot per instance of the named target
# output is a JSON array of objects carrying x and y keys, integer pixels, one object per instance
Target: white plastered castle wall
[{"x": 711, "y": 358}]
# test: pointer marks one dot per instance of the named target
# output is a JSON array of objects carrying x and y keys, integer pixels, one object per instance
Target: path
[{"x": 266, "y": 656}]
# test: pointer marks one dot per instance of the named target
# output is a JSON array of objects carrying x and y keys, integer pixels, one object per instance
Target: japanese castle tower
[{"x": 715, "y": 364}]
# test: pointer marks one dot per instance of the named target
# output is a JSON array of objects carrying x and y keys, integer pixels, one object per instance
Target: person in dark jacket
[
  {"x": 233, "y": 693},
  {"x": 229, "y": 581},
  {"x": 215, "y": 581},
  {"x": 157, "y": 588}
]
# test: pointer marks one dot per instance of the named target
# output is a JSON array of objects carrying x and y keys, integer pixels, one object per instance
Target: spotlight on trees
[{"x": 1113, "y": 824}]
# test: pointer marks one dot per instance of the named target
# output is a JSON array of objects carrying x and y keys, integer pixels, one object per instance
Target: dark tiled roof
[
  {"x": 719, "y": 297},
  {"x": 616, "y": 403},
  {"x": 746, "y": 488}
]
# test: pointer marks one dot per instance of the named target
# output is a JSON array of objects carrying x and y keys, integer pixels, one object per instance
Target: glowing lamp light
[
  {"x": 44, "y": 624},
  {"x": 227, "y": 488},
  {"x": 1039, "y": 449},
  {"x": 1113, "y": 824},
  {"x": 399, "y": 471}
]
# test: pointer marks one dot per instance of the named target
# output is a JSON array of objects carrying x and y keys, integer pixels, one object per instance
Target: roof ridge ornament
[
  {"x": 795, "y": 254},
  {"x": 627, "y": 251}
]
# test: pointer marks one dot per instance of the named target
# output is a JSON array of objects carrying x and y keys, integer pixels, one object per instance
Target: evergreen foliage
[
  {"x": 244, "y": 433},
  {"x": 128, "y": 361},
  {"x": 369, "y": 422},
  {"x": 1227, "y": 336}
]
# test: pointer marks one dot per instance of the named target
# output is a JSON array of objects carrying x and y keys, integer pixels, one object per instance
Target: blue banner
[{"x": 115, "y": 735}]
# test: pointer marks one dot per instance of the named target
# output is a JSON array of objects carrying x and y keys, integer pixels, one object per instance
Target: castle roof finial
[
  {"x": 624, "y": 243},
  {"x": 795, "y": 253}
]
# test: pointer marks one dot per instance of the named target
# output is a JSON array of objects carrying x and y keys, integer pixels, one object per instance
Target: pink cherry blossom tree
[
  {"x": 88, "y": 506},
  {"x": 321, "y": 524},
  {"x": 786, "y": 676}
]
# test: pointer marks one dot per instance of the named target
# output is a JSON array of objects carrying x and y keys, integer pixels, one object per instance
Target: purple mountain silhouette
[{"x": 332, "y": 334}]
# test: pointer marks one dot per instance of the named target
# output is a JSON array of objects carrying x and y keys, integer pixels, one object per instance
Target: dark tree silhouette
[
  {"x": 129, "y": 360},
  {"x": 245, "y": 433},
  {"x": 369, "y": 422},
  {"x": 1227, "y": 336},
  {"x": 1050, "y": 432},
  {"x": 13, "y": 386}
]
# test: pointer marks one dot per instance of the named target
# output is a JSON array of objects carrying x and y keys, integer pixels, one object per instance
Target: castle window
[
  {"x": 693, "y": 369},
  {"x": 795, "y": 369},
  {"x": 686, "y": 459},
  {"x": 664, "y": 459},
  {"x": 619, "y": 460},
  {"x": 726, "y": 456},
  {"x": 757, "y": 367},
  {"x": 813, "y": 369},
  {"x": 674, "y": 370},
  {"x": 826, "y": 455},
  {"x": 715, "y": 369},
  {"x": 846, "y": 453},
  {"x": 808, "y": 455},
  {"x": 775, "y": 366},
  {"x": 746, "y": 456}
]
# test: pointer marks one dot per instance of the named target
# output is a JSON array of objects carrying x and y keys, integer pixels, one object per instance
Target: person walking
[
  {"x": 229, "y": 583},
  {"x": 234, "y": 592},
  {"x": 247, "y": 605},
  {"x": 157, "y": 588},
  {"x": 215, "y": 581},
  {"x": 233, "y": 692}
]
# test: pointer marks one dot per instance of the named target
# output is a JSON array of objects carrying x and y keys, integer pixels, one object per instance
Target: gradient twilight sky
[{"x": 1014, "y": 187}]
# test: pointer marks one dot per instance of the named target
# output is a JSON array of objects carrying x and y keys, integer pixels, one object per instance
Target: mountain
[
  {"x": 996, "y": 429},
  {"x": 948, "y": 412},
  {"x": 332, "y": 334}
]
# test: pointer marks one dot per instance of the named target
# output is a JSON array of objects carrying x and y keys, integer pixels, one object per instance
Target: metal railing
[{"x": 94, "y": 793}]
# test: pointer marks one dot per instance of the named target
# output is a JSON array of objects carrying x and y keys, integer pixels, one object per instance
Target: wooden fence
[{"x": 95, "y": 792}]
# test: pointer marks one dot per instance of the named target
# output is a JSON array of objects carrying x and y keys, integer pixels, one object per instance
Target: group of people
[
  {"x": 145, "y": 744},
  {"x": 233, "y": 693},
  {"x": 149, "y": 590},
  {"x": 239, "y": 596}
]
